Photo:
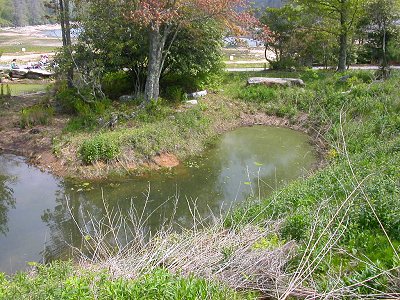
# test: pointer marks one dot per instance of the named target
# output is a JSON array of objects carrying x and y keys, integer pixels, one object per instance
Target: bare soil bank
[{"x": 36, "y": 144}]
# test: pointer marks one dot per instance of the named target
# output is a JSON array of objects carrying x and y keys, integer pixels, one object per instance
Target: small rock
[
  {"x": 34, "y": 131},
  {"x": 126, "y": 98},
  {"x": 275, "y": 81},
  {"x": 197, "y": 94},
  {"x": 113, "y": 121},
  {"x": 192, "y": 102}
]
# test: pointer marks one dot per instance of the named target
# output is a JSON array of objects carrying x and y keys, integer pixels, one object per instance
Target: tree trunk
[
  {"x": 385, "y": 65},
  {"x": 70, "y": 73},
  {"x": 66, "y": 35},
  {"x": 157, "y": 43},
  {"x": 342, "y": 42}
]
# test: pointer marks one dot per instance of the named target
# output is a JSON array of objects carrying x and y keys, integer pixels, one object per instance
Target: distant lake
[
  {"x": 57, "y": 33},
  {"x": 249, "y": 42}
]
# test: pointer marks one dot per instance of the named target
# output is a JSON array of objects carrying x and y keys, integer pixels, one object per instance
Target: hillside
[{"x": 267, "y": 3}]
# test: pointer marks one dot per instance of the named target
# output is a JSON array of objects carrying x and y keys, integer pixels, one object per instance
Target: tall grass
[
  {"x": 345, "y": 216},
  {"x": 243, "y": 258},
  {"x": 36, "y": 115},
  {"x": 334, "y": 235}
]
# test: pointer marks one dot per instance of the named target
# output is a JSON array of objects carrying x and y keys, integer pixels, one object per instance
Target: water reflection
[
  {"x": 49, "y": 212},
  {"x": 7, "y": 200}
]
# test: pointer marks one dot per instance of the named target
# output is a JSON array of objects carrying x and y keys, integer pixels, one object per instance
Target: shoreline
[
  {"x": 31, "y": 31},
  {"x": 37, "y": 149}
]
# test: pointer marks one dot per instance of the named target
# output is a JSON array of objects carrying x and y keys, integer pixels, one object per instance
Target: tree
[
  {"x": 282, "y": 25},
  {"x": 20, "y": 13},
  {"x": 338, "y": 17},
  {"x": 108, "y": 43},
  {"x": 6, "y": 12},
  {"x": 289, "y": 37},
  {"x": 61, "y": 9},
  {"x": 7, "y": 201},
  {"x": 36, "y": 12},
  {"x": 163, "y": 19},
  {"x": 380, "y": 24}
]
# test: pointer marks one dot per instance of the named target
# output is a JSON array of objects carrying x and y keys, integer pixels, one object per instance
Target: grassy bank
[
  {"x": 20, "y": 89},
  {"x": 345, "y": 216},
  {"x": 342, "y": 223},
  {"x": 94, "y": 148},
  {"x": 64, "y": 281}
]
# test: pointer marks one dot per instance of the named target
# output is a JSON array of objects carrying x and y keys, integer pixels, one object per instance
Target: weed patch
[
  {"x": 62, "y": 280},
  {"x": 36, "y": 115},
  {"x": 352, "y": 204}
]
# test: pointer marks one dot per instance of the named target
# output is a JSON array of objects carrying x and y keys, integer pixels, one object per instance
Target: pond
[{"x": 36, "y": 207}]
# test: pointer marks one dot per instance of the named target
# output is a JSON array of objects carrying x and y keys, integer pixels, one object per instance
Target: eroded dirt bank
[{"x": 36, "y": 143}]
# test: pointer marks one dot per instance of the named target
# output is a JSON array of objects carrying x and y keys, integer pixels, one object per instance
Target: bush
[
  {"x": 310, "y": 74},
  {"x": 99, "y": 148},
  {"x": 66, "y": 100},
  {"x": 285, "y": 63},
  {"x": 258, "y": 94},
  {"x": 116, "y": 84},
  {"x": 36, "y": 115},
  {"x": 86, "y": 114},
  {"x": 155, "y": 110},
  {"x": 175, "y": 94},
  {"x": 70, "y": 101}
]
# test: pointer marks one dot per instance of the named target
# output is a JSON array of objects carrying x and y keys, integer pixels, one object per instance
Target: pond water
[{"x": 36, "y": 222}]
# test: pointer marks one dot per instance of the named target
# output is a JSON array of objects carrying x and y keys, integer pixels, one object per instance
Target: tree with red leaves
[{"x": 164, "y": 18}]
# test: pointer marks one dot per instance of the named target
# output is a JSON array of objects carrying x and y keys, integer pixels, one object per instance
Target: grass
[
  {"x": 23, "y": 88},
  {"x": 16, "y": 49},
  {"x": 61, "y": 280},
  {"x": 240, "y": 54},
  {"x": 14, "y": 44},
  {"x": 345, "y": 216},
  {"x": 343, "y": 219},
  {"x": 143, "y": 133},
  {"x": 36, "y": 115}
]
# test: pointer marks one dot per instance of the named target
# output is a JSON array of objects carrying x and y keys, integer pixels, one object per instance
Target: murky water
[{"x": 36, "y": 222}]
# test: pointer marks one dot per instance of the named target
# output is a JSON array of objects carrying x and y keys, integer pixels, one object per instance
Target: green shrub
[
  {"x": 258, "y": 93},
  {"x": 66, "y": 100},
  {"x": 36, "y": 115},
  {"x": 155, "y": 110},
  {"x": 310, "y": 74},
  {"x": 285, "y": 63},
  {"x": 100, "y": 148},
  {"x": 175, "y": 94},
  {"x": 85, "y": 114},
  {"x": 116, "y": 84},
  {"x": 70, "y": 101}
]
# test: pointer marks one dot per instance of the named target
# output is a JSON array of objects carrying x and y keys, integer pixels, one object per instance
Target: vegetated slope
[
  {"x": 23, "y": 12},
  {"x": 346, "y": 216},
  {"x": 344, "y": 219},
  {"x": 267, "y": 3},
  {"x": 63, "y": 281}
]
